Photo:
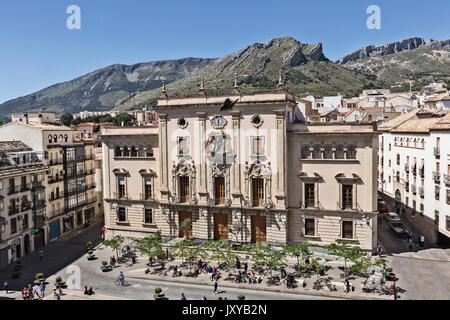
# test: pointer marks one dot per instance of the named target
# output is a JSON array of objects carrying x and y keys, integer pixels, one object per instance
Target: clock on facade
[{"x": 218, "y": 121}]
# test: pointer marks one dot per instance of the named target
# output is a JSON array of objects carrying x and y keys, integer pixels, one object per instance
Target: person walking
[
  {"x": 215, "y": 286},
  {"x": 121, "y": 278},
  {"x": 213, "y": 273},
  {"x": 183, "y": 297},
  {"x": 41, "y": 254},
  {"x": 5, "y": 286},
  {"x": 410, "y": 244},
  {"x": 422, "y": 241},
  {"x": 379, "y": 250},
  {"x": 42, "y": 289}
]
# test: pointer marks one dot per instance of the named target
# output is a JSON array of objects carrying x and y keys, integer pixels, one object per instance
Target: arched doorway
[{"x": 26, "y": 243}]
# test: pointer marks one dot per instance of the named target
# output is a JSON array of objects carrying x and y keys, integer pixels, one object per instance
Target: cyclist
[{"x": 121, "y": 278}]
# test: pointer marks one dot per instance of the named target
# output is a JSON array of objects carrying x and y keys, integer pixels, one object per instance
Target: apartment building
[
  {"x": 22, "y": 201},
  {"x": 414, "y": 167},
  {"x": 71, "y": 199},
  {"x": 250, "y": 168}
]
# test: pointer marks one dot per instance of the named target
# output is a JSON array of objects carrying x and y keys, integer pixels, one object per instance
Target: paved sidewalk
[{"x": 57, "y": 255}]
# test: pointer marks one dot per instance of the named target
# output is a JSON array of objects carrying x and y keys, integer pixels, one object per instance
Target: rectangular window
[
  {"x": 25, "y": 221},
  {"x": 437, "y": 191},
  {"x": 184, "y": 189},
  {"x": 310, "y": 227},
  {"x": 183, "y": 146},
  {"x": 347, "y": 196},
  {"x": 219, "y": 190},
  {"x": 81, "y": 184},
  {"x": 257, "y": 146},
  {"x": 398, "y": 159},
  {"x": 436, "y": 217},
  {"x": 121, "y": 214},
  {"x": 80, "y": 167},
  {"x": 258, "y": 192},
  {"x": 72, "y": 202},
  {"x": 72, "y": 185},
  {"x": 13, "y": 225},
  {"x": 309, "y": 195},
  {"x": 148, "y": 188},
  {"x": 121, "y": 187},
  {"x": 81, "y": 198},
  {"x": 70, "y": 154},
  {"x": 148, "y": 216},
  {"x": 347, "y": 229}
]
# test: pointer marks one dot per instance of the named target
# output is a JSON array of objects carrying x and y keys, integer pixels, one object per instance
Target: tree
[
  {"x": 124, "y": 118},
  {"x": 115, "y": 243},
  {"x": 318, "y": 267},
  {"x": 342, "y": 249},
  {"x": 263, "y": 255},
  {"x": 299, "y": 251},
  {"x": 236, "y": 229},
  {"x": 151, "y": 245},
  {"x": 180, "y": 249},
  {"x": 217, "y": 252},
  {"x": 66, "y": 119},
  {"x": 186, "y": 226}
]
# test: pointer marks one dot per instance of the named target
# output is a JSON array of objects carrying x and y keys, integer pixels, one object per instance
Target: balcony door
[
  {"x": 219, "y": 190},
  {"x": 347, "y": 196},
  {"x": 258, "y": 192},
  {"x": 184, "y": 189}
]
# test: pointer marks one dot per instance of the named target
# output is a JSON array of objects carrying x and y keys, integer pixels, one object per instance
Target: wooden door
[
  {"x": 258, "y": 192},
  {"x": 182, "y": 216},
  {"x": 220, "y": 226},
  {"x": 258, "y": 225}
]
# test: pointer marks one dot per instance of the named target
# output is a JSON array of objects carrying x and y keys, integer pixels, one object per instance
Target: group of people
[{"x": 88, "y": 291}]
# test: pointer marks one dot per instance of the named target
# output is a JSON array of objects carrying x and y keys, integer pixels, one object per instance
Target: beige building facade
[{"x": 239, "y": 174}]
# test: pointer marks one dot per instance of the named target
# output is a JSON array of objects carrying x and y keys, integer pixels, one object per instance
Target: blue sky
[{"x": 37, "y": 50}]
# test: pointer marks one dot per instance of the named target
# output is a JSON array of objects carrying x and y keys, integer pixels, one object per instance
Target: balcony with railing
[
  {"x": 437, "y": 177},
  {"x": 437, "y": 151},
  {"x": 55, "y": 179},
  {"x": 421, "y": 192},
  {"x": 121, "y": 195},
  {"x": 13, "y": 209},
  {"x": 413, "y": 189},
  {"x": 447, "y": 179},
  {"x": 422, "y": 173},
  {"x": 25, "y": 206},
  {"x": 146, "y": 196},
  {"x": 407, "y": 167},
  {"x": 38, "y": 204},
  {"x": 56, "y": 162},
  {"x": 414, "y": 171},
  {"x": 55, "y": 196},
  {"x": 407, "y": 186},
  {"x": 25, "y": 187}
]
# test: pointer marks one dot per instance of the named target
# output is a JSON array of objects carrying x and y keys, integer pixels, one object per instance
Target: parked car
[
  {"x": 383, "y": 207},
  {"x": 399, "y": 228},
  {"x": 392, "y": 217}
]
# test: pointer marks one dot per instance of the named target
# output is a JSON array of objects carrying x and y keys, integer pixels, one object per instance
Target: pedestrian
[
  {"x": 204, "y": 298},
  {"x": 55, "y": 294},
  {"x": 90, "y": 291},
  {"x": 42, "y": 289},
  {"x": 346, "y": 286},
  {"x": 215, "y": 286},
  {"x": 121, "y": 278},
  {"x": 24, "y": 293},
  {"x": 238, "y": 263},
  {"x": 196, "y": 272},
  {"x": 213, "y": 273},
  {"x": 422, "y": 241},
  {"x": 41, "y": 254},
  {"x": 5, "y": 286},
  {"x": 410, "y": 244},
  {"x": 379, "y": 250},
  {"x": 225, "y": 298},
  {"x": 220, "y": 298},
  {"x": 183, "y": 297},
  {"x": 245, "y": 266}
]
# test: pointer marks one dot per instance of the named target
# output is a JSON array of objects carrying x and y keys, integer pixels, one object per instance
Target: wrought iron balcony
[
  {"x": 38, "y": 204},
  {"x": 447, "y": 179},
  {"x": 437, "y": 151},
  {"x": 13, "y": 210},
  {"x": 421, "y": 192},
  {"x": 121, "y": 195},
  {"x": 413, "y": 189},
  {"x": 407, "y": 167},
  {"x": 437, "y": 177}
]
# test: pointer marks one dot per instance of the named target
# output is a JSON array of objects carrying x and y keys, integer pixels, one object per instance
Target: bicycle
[{"x": 117, "y": 282}]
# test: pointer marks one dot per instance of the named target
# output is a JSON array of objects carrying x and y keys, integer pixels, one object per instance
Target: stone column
[
  {"x": 235, "y": 175},
  {"x": 202, "y": 172},
  {"x": 279, "y": 179},
  {"x": 163, "y": 157}
]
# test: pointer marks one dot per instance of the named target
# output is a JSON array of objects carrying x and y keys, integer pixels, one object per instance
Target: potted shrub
[
  {"x": 39, "y": 278},
  {"x": 158, "y": 295},
  {"x": 89, "y": 246},
  {"x": 59, "y": 282},
  {"x": 105, "y": 267},
  {"x": 91, "y": 255},
  {"x": 241, "y": 297}
]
